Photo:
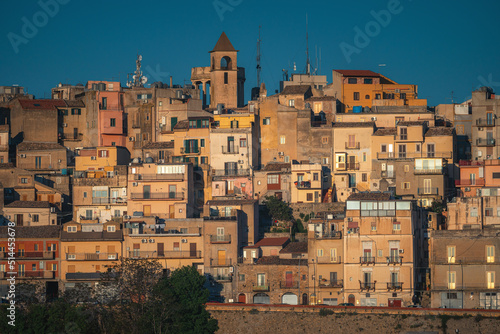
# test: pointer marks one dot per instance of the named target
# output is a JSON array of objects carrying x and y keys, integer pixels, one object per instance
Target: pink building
[{"x": 109, "y": 98}]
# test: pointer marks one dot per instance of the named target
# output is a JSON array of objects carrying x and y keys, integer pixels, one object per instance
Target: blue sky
[{"x": 442, "y": 46}]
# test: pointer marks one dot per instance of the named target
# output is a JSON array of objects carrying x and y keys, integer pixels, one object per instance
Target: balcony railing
[
  {"x": 289, "y": 284},
  {"x": 72, "y": 136},
  {"x": 231, "y": 172},
  {"x": 159, "y": 177},
  {"x": 386, "y": 174},
  {"x": 394, "y": 259},
  {"x": 230, "y": 149},
  {"x": 352, "y": 146},
  {"x": 367, "y": 259},
  {"x": 470, "y": 163},
  {"x": 91, "y": 256},
  {"x": 485, "y": 122},
  {"x": 395, "y": 286},
  {"x": 329, "y": 259},
  {"x": 352, "y": 166},
  {"x": 330, "y": 235},
  {"x": 187, "y": 254},
  {"x": 303, "y": 184},
  {"x": 413, "y": 155},
  {"x": 367, "y": 285},
  {"x": 220, "y": 239},
  {"x": 37, "y": 274},
  {"x": 260, "y": 287},
  {"x": 83, "y": 276},
  {"x": 226, "y": 278},
  {"x": 105, "y": 200},
  {"x": 30, "y": 255},
  {"x": 190, "y": 150},
  {"x": 221, "y": 262},
  {"x": 155, "y": 196},
  {"x": 427, "y": 171},
  {"x": 480, "y": 260},
  {"x": 485, "y": 142},
  {"x": 469, "y": 182},
  {"x": 338, "y": 283},
  {"x": 428, "y": 191}
]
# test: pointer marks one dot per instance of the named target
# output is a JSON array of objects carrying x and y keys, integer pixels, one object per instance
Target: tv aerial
[{"x": 138, "y": 80}]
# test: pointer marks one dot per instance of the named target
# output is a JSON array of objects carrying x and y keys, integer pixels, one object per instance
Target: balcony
[
  {"x": 223, "y": 278},
  {"x": 328, "y": 259},
  {"x": 485, "y": 122},
  {"x": 30, "y": 255},
  {"x": 394, "y": 259},
  {"x": 221, "y": 262},
  {"x": 91, "y": 256},
  {"x": 485, "y": 142},
  {"x": 367, "y": 286},
  {"x": 188, "y": 254},
  {"x": 352, "y": 146},
  {"x": 339, "y": 283},
  {"x": 352, "y": 166},
  {"x": 427, "y": 171},
  {"x": 289, "y": 284},
  {"x": 471, "y": 163},
  {"x": 330, "y": 235},
  {"x": 220, "y": 239},
  {"x": 105, "y": 200},
  {"x": 428, "y": 191},
  {"x": 72, "y": 136},
  {"x": 190, "y": 150},
  {"x": 387, "y": 175},
  {"x": 4, "y": 147},
  {"x": 395, "y": 286},
  {"x": 159, "y": 177},
  {"x": 231, "y": 172},
  {"x": 367, "y": 259},
  {"x": 260, "y": 287},
  {"x": 83, "y": 276},
  {"x": 35, "y": 274},
  {"x": 110, "y": 106},
  {"x": 230, "y": 149},
  {"x": 413, "y": 155},
  {"x": 303, "y": 184},
  {"x": 468, "y": 182},
  {"x": 158, "y": 196}
]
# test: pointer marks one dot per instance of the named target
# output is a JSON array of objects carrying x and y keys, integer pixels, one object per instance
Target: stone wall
[
  {"x": 307, "y": 208},
  {"x": 241, "y": 318}
]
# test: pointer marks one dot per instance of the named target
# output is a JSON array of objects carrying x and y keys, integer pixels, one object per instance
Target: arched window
[{"x": 226, "y": 63}]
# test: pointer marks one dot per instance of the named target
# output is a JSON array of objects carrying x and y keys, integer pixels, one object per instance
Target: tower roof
[{"x": 223, "y": 44}]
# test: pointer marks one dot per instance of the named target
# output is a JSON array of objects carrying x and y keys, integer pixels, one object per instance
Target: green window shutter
[{"x": 198, "y": 124}]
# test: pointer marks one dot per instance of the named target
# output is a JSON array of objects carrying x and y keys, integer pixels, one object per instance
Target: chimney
[{"x": 171, "y": 81}]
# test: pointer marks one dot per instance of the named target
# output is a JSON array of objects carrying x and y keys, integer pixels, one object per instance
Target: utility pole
[
  {"x": 308, "y": 65},
  {"x": 258, "y": 59}
]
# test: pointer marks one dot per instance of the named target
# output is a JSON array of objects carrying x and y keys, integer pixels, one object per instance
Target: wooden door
[
  {"x": 242, "y": 298},
  {"x": 19, "y": 220},
  {"x": 289, "y": 279},
  {"x": 160, "y": 249},
  {"x": 221, "y": 258},
  {"x": 146, "y": 210},
  {"x": 351, "y": 299},
  {"x": 171, "y": 211},
  {"x": 192, "y": 249}
]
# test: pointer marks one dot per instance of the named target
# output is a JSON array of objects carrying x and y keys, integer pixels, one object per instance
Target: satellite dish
[
  {"x": 140, "y": 57},
  {"x": 128, "y": 84},
  {"x": 133, "y": 77},
  {"x": 144, "y": 80}
]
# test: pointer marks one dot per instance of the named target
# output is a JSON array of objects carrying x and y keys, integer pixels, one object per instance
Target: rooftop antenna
[
  {"x": 258, "y": 59},
  {"x": 308, "y": 64},
  {"x": 138, "y": 80}
]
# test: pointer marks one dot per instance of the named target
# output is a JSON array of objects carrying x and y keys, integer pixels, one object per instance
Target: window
[
  {"x": 352, "y": 81},
  {"x": 407, "y": 168},
  {"x": 367, "y": 81},
  {"x": 383, "y": 148},
  {"x": 266, "y": 121},
  {"x": 320, "y": 252},
  {"x": 377, "y": 96},
  {"x": 53, "y": 267},
  {"x": 315, "y": 176},
  {"x": 374, "y": 228},
  {"x": 490, "y": 254},
  {"x": 364, "y": 177},
  {"x": 396, "y": 226},
  {"x": 202, "y": 142},
  {"x": 402, "y": 96},
  {"x": 234, "y": 124},
  {"x": 35, "y": 218},
  {"x": 261, "y": 279},
  {"x": 496, "y": 175},
  {"x": 273, "y": 179},
  {"x": 324, "y": 140},
  {"x": 111, "y": 228},
  {"x": 488, "y": 212},
  {"x": 84, "y": 194},
  {"x": 473, "y": 212},
  {"x": 309, "y": 197},
  {"x": 324, "y": 161},
  {"x": 451, "y": 254},
  {"x": 112, "y": 122},
  {"x": 103, "y": 153},
  {"x": 242, "y": 277},
  {"x": 176, "y": 246},
  {"x": 226, "y": 78},
  {"x": 287, "y": 160},
  {"x": 24, "y": 180},
  {"x": 491, "y": 279},
  {"x": 402, "y": 151},
  {"x": 291, "y": 103},
  {"x": 243, "y": 142},
  {"x": 418, "y": 148},
  {"x": 367, "y": 97},
  {"x": 282, "y": 140},
  {"x": 451, "y": 280},
  {"x": 356, "y": 96},
  {"x": 204, "y": 160},
  {"x": 71, "y": 228},
  {"x": 364, "y": 156},
  {"x": 405, "y": 185},
  {"x": 403, "y": 133},
  {"x": 35, "y": 247}
]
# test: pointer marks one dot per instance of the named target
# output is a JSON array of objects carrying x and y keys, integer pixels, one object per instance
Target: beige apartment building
[{"x": 309, "y": 184}]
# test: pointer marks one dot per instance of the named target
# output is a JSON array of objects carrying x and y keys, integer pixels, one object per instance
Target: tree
[
  {"x": 437, "y": 206},
  {"x": 278, "y": 210}
]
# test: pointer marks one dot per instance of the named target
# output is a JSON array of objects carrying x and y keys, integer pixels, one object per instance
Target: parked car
[
  {"x": 346, "y": 304},
  {"x": 415, "y": 306}
]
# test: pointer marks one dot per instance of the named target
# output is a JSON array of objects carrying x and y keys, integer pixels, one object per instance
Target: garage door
[
  {"x": 261, "y": 298},
  {"x": 290, "y": 298}
]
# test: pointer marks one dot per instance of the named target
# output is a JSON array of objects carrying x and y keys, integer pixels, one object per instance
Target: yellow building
[
  {"x": 97, "y": 162},
  {"x": 87, "y": 250},
  {"x": 363, "y": 88},
  {"x": 309, "y": 185}
]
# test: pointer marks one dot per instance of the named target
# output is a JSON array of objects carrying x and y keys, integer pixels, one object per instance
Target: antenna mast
[
  {"x": 258, "y": 59},
  {"x": 308, "y": 64}
]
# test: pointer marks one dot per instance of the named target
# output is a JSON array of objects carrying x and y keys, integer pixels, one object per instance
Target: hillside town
[{"x": 391, "y": 202}]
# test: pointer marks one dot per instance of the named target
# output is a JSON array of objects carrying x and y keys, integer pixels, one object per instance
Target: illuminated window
[{"x": 451, "y": 254}]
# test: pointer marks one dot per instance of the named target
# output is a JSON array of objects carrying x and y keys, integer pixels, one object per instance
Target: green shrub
[{"x": 324, "y": 312}]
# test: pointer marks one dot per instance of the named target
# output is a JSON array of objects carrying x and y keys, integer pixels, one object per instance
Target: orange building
[
  {"x": 363, "y": 88},
  {"x": 479, "y": 176}
]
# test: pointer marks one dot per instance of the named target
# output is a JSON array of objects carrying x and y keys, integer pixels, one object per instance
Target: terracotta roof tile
[
  {"x": 439, "y": 131},
  {"x": 29, "y": 204},
  {"x": 272, "y": 242},
  {"x": 182, "y": 125},
  {"x": 158, "y": 145},
  {"x": 410, "y": 123},
  {"x": 41, "y": 104},
  {"x": 34, "y": 232},
  {"x": 385, "y": 132},
  {"x": 32, "y": 146},
  {"x": 369, "y": 196},
  {"x": 354, "y": 125},
  {"x": 75, "y": 103},
  {"x": 295, "y": 247},
  {"x": 358, "y": 73},
  {"x": 296, "y": 90},
  {"x": 275, "y": 260},
  {"x": 276, "y": 166},
  {"x": 223, "y": 44},
  {"x": 321, "y": 98}
]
